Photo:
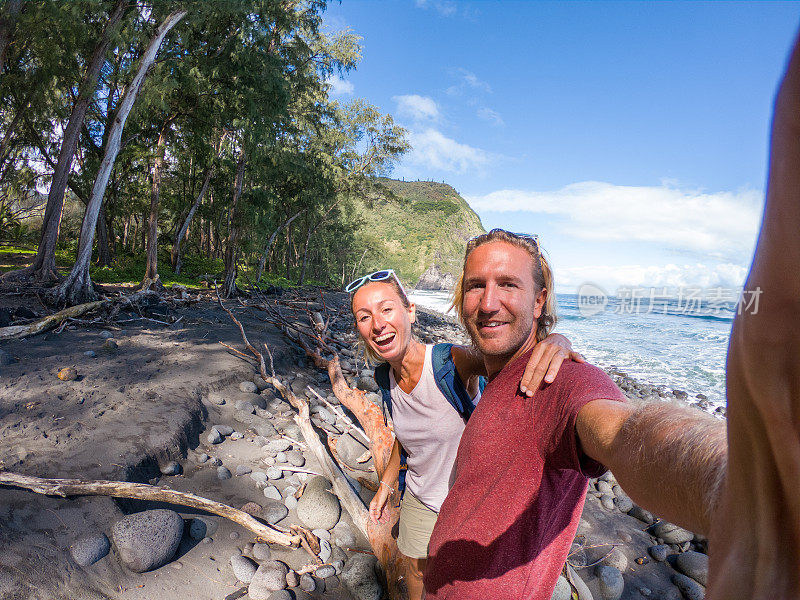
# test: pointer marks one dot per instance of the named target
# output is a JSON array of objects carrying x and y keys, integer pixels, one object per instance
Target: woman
[{"x": 428, "y": 409}]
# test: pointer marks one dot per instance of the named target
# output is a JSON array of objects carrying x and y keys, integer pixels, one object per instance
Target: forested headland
[{"x": 169, "y": 141}]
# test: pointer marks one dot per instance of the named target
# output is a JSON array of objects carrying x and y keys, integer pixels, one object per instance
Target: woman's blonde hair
[
  {"x": 370, "y": 355},
  {"x": 542, "y": 276}
]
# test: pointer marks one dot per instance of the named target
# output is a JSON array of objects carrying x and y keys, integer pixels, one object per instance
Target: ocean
[{"x": 659, "y": 344}]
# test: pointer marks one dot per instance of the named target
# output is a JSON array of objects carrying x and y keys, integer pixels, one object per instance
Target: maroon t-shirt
[{"x": 505, "y": 528}]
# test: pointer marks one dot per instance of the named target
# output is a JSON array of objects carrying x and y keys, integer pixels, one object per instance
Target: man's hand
[{"x": 545, "y": 362}]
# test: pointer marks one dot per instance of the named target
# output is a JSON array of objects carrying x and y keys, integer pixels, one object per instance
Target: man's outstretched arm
[
  {"x": 669, "y": 458},
  {"x": 755, "y": 539}
]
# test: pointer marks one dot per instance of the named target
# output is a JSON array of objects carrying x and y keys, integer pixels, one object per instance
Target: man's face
[{"x": 501, "y": 303}]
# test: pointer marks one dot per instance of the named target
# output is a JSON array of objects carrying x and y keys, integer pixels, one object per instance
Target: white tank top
[{"x": 429, "y": 429}]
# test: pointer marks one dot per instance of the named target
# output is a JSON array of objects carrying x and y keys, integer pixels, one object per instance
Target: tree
[
  {"x": 44, "y": 266},
  {"x": 78, "y": 286}
]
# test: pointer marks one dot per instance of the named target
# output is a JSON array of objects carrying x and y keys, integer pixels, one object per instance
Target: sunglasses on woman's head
[{"x": 381, "y": 275}]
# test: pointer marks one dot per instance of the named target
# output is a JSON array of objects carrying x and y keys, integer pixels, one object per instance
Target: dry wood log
[
  {"x": 141, "y": 491},
  {"x": 49, "y": 322}
]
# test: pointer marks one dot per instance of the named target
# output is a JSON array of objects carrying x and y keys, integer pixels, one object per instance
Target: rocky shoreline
[{"x": 169, "y": 406}]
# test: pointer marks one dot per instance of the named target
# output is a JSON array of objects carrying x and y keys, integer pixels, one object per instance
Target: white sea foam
[{"x": 679, "y": 351}]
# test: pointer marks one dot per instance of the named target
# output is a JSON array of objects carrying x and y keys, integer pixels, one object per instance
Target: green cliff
[{"x": 417, "y": 227}]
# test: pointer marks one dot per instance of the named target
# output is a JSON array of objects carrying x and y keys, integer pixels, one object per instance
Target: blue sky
[{"x": 632, "y": 137}]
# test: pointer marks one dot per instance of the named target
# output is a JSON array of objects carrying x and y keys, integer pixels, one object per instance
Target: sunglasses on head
[{"x": 381, "y": 275}]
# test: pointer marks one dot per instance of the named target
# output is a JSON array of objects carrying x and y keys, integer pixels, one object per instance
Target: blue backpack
[{"x": 447, "y": 380}]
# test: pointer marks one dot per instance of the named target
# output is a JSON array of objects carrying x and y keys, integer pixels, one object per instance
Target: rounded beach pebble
[
  {"x": 694, "y": 565},
  {"x": 359, "y": 577},
  {"x": 88, "y": 550},
  {"x": 318, "y": 508},
  {"x": 261, "y": 551},
  {"x": 223, "y": 473},
  {"x": 610, "y": 582},
  {"x": 171, "y": 468},
  {"x": 214, "y": 437},
  {"x": 147, "y": 540},
  {"x": 243, "y": 568},
  {"x": 248, "y": 386},
  {"x": 268, "y": 578}
]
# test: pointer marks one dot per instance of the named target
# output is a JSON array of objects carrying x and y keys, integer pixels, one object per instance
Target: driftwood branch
[
  {"x": 49, "y": 322},
  {"x": 141, "y": 491}
]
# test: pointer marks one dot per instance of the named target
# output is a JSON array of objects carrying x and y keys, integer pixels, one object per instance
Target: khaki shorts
[{"x": 416, "y": 525}]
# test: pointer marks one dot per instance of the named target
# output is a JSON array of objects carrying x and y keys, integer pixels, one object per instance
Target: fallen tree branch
[
  {"x": 141, "y": 491},
  {"x": 42, "y": 325}
]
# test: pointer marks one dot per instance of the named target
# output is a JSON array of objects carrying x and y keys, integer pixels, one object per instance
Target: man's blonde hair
[{"x": 542, "y": 276}]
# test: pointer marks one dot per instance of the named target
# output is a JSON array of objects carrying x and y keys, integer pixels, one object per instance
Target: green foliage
[{"x": 409, "y": 226}]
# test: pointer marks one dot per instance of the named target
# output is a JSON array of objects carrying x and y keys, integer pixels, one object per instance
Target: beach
[{"x": 157, "y": 399}]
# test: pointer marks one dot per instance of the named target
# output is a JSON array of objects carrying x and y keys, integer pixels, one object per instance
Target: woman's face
[{"x": 382, "y": 320}]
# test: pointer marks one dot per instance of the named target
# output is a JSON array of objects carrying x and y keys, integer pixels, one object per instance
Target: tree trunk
[
  {"x": 78, "y": 286},
  {"x": 151, "y": 279},
  {"x": 262, "y": 261},
  {"x": 44, "y": 266},
  {"x": 305, "y": 256},
  {"x": 7, "y": 24},
  {"x": 103, "y": 250},
  {"x": 229, "y": 287}
]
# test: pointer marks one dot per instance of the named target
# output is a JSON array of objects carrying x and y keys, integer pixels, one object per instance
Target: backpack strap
[
  {"x": 449, "y": 382},
  {"x": 382, "y": 379}
]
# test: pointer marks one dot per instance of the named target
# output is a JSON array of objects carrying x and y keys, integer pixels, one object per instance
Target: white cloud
[
  {"x": 720, "y": 225},
  {"x": 432, "y": 149},
  {"x": 487, "y": 114},
  {"x": 418, "y": 108},
  {"x": 468, "y": 80},
  {"x": 446, "y": 8},
  {"x": 671, "y": 276},
  {"x": 339, "y": 86}
]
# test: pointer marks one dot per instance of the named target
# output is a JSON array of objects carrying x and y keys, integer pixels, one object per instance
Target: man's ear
[{"x": 538, "y": 305}]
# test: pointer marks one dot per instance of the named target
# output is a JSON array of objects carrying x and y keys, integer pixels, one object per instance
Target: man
[{"x": 523, "y": 463}]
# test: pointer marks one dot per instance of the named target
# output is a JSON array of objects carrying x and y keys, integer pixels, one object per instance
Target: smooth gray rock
[
  {"x": 248, "y": 386},
  {"x": 638, "y": 512},
  {"x": 216, "y": 398},
  {"x": 259, "y": 477},
  {"x": 261, "y": 551},
  {"x": 694, "y": 565},
  {"x": 281, "y": 595},
  {"x": 274, "y": 511},
  {"x": 256, "y": 400},
  {"x": 214, "y": 437},
  {"x": 604, "y": 487},
  {"x": 223, "y": 473},
  {"x": 307, "y": 583},
  {"x": 88, "y": 550},
  {"x": 243, "y": 470},
  {"x": 105, "y": 334},
  {"x": 324, "y": 550},
  {"x": 273, "y": 493},
  {"x": 350, "y": 450},
  {"x": 223, "y": 429},
  {"x": 367, "y": 384},
  {"x": 670, "y": 533},
  {"x": 616, "y": 559},
  {"x": 265, "y": 429},
  {"x": 171, "y": 468},
  {"x": 88, "y": 353},
  {"x": 290, "y": 502},
  {"x": 562, "y": 591},
  {"x": 268, "y": 578},
  {"x": 624, "y": 503},
  {"x": 318, "y": 508},
  {"x": 326, "y": 571},
  {"x": 292, "y": 579},
  {"x": 323, "y": 534},
  {"x": 202, "y": 457},
  {"x": 610, "y": 582},
  {"x": 279, "y": 445},
  {"x": 147, "y": 540},
  {"x": 243, "y": 568},
  {"x": 690, "y": 589},
  {"x": 360, "y": 578},
  {"x": 295, "y": 458},
  {"x": 343, "y": 535},
  {"x": 659, "y": 552},
  {"x": 245, "y": 406},
  {"x": 237, "y": 435},
  {"x": 201, "y": 527},
  {"x": 607, "y": 501},
  {"x": 280, "y": 457},
  {"x": 274, "y": 473}
]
